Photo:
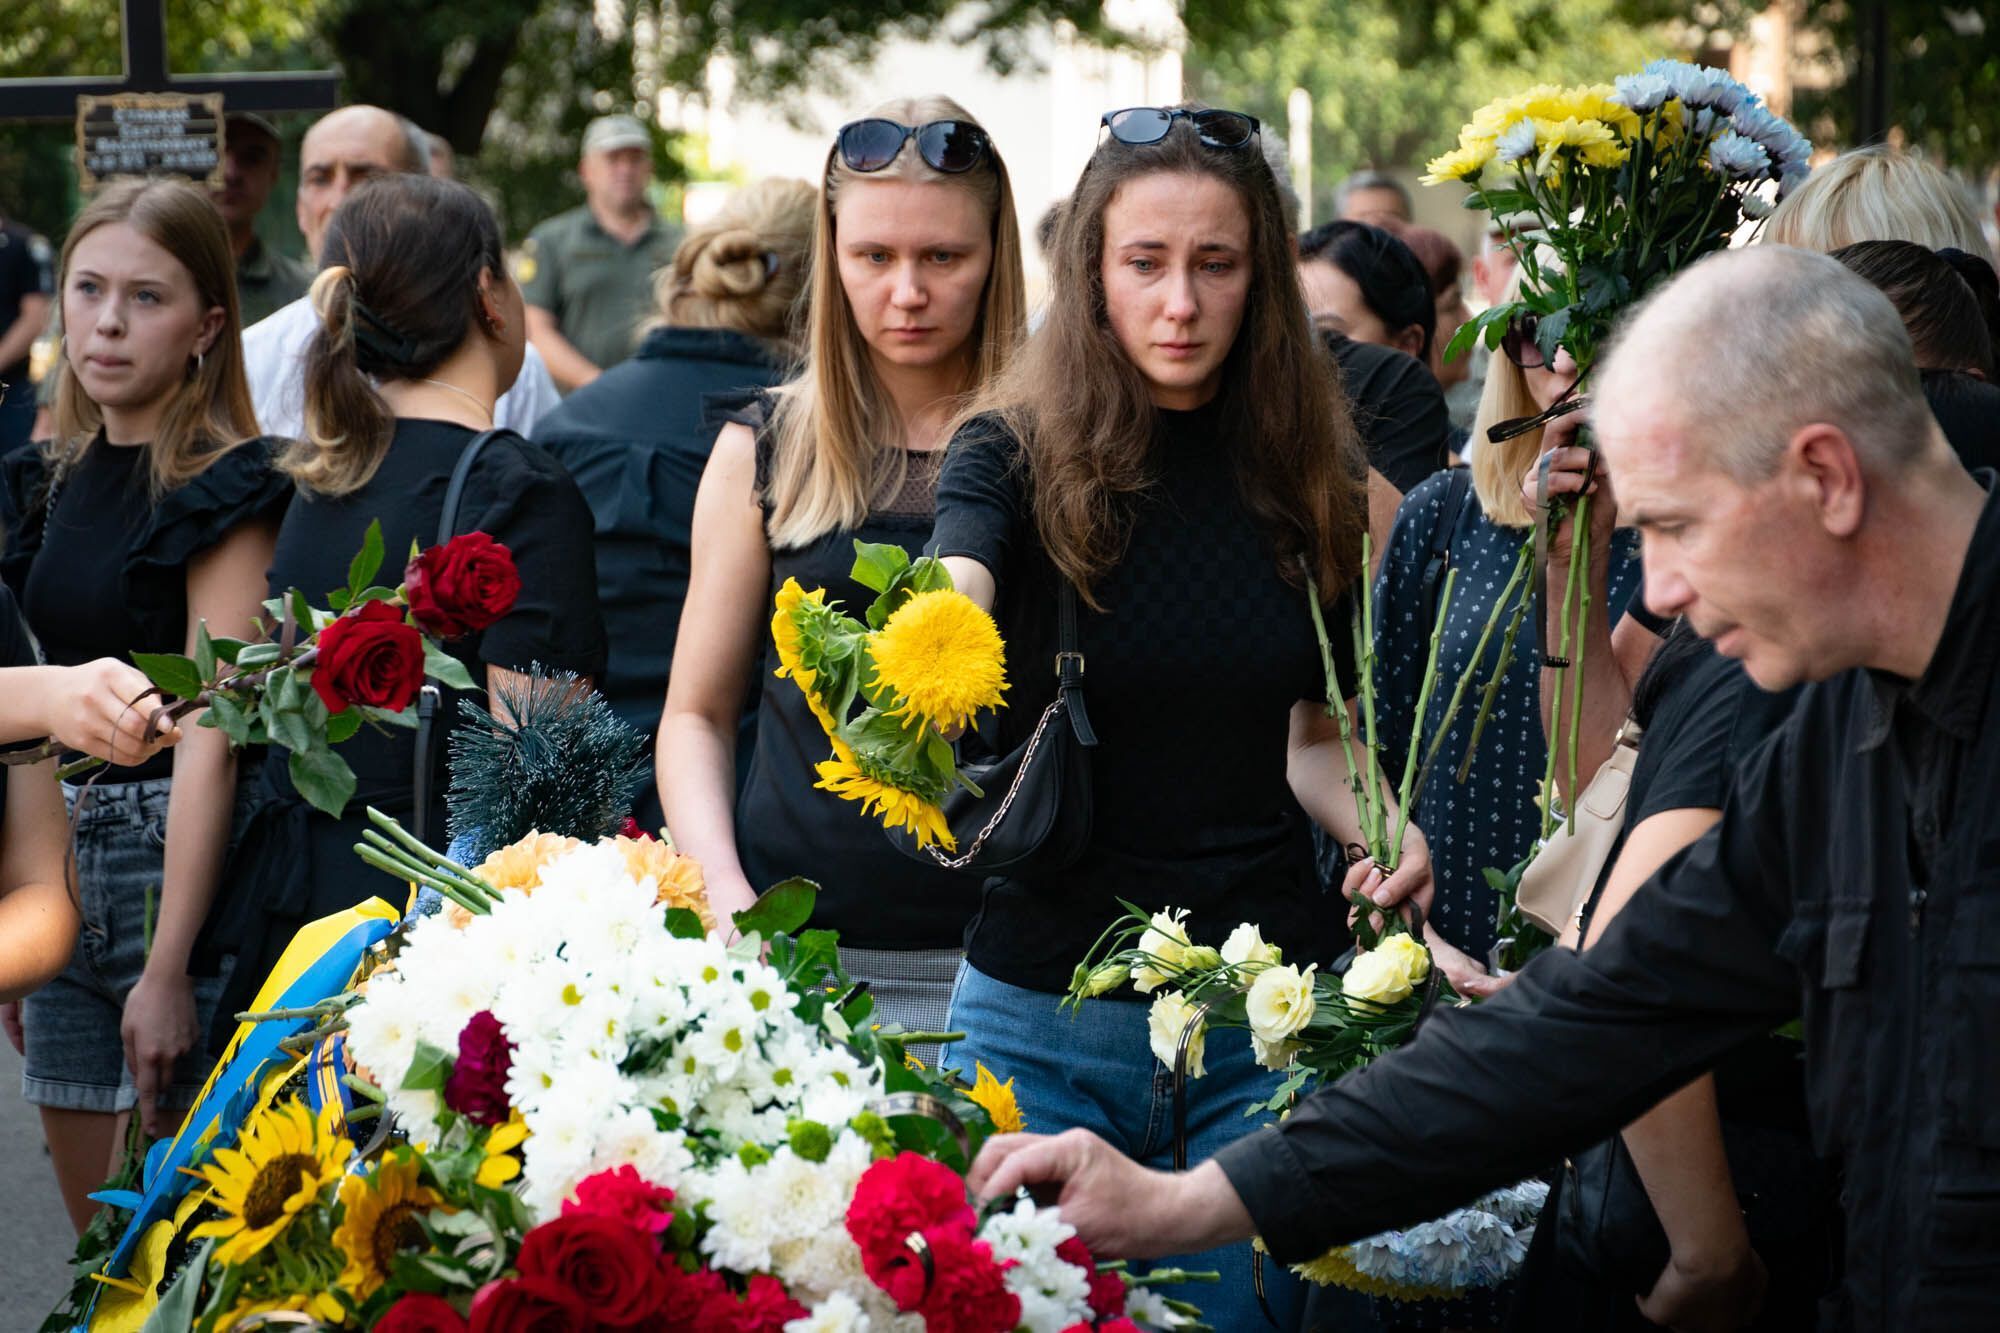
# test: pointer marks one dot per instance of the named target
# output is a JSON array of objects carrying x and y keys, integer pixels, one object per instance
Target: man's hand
[
  {"x": 1464, "y": 972},
  {"x": 159, "y": 1027},
  {"x": 1121, "y": 1209},
  {"x": 98, "y": 708},
  {"x": 1707, "y": 1298}
]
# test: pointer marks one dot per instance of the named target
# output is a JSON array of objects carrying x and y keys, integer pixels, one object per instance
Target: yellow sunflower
[
  {"x": 997, "y": 1100},
  {"x": 126, "y": 1302},
  {"x": 678, "y": 877},
  {"x": 323, "y": 1306},
  {"x": 381, "y": 1220},
  {"x": 940, "y": 654},
  {"x": 502, "y": 1163},
  {"x": 785, "y": 634},
  {"x": 898, "y": 808},
  {"x": 282, "y": 1160}
]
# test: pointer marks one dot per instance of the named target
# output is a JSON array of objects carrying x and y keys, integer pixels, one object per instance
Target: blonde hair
[
  {"x": 211, "y": 412},
  {"x": 1878, "y": 193},
  {"x": 1497, "y": 468},
  {"x": 743, "y": 269},
  {"x": 834, "y": 424}
]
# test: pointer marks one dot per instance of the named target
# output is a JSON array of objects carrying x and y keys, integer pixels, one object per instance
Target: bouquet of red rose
[{"x": 314, "y": 677}]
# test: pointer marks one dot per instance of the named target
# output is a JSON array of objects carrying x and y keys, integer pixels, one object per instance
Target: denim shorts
[{"x": 75, "y": 1055}]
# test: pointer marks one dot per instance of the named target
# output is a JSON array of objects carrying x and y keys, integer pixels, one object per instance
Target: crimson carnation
[
  {"x": 1107, "y": 1290},
  {"x": 766, "y": 1307},
  {"x": 369, "y": 656},
  {"x": 528, "y": 1305},
  {"x": 612, "y": 1269},
  {"x": 1119, "y": 1325},
  {"x": 624, "y": 1195},
  {"x": 463, "y": 586},
  {"x": 693, "y": 1302},
  {"x": 477, "y": 1086},
  {"x": 630, "y": 829},
  {"x": 900, "y": 1195},
  {"x": 964, "y": 1290},
  {"x": 420, "y": 1312}
]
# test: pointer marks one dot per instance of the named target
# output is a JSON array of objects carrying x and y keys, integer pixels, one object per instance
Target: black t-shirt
[
  {"x": 15, "y": 651},
  {"x": 1398, "y": 408},
  {"x": 1968, "y": 409},
  {"x": 24, "y": 272},
  {"x": 1191, "y": 674},
  {"x": 100, "y": 566}
]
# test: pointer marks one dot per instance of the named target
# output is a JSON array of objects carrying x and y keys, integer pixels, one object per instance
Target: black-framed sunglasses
[
  {"x": 1518, "y": 342},
  {"x": 950, "y": 146},
  {"x": 1149, "y": 124}
]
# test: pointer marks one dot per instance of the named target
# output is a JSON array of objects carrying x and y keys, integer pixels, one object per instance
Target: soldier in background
[{"x": 265, "y": 279}]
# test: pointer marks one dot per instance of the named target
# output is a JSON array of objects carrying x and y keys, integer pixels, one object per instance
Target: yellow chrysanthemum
[
  {"x": 1593, "y": 140},
  {"x": 898, "y": 808},
  {"x": 323, "y": 1306},
  {"x": 282, "y": 1160},
  {"x": 678, "y": 877},
  {"x": 997, "y": 1100},
  {"x": 381, "y": 1220},
  {"x": 1461, "y": 163},
  {"x": 785, "y": 633},
  {"x": 940, "y": 654},
  {"x": 502, "y": 1162}
]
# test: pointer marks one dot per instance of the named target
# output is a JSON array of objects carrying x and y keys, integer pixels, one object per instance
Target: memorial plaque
[{"x": 149, "y": 134}]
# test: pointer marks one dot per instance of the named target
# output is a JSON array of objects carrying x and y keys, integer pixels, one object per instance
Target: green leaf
[
  {"x": 781, "y": 909},
  {"x": 876, "y": 564},
  {"x": 180, "y": 1303},
  {"x": 224, "y": 713},
  {"x": 226, "y": 650},
  {"x": 684, "y": 924},
  {"x": 257, "y": 655},
  {"x": 302, "y": 614},
  {"x": 361, "y": 572},
  {"x": 204, "y": 652},
  {"x": 342, "y": 726},
  {"x": 339, "y": 600},
  {"x": 406, "y": 719},
  {"x": 428, "y": 1069},
  {"x": 324, "y": 779},
  {"x": 1496, "y": 880},
  {"x": 174, "y": 674},
  {"x": 440, "y": 665}
]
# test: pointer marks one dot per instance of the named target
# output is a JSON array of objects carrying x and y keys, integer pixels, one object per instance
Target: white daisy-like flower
[{"x": 1516, "y": 142}]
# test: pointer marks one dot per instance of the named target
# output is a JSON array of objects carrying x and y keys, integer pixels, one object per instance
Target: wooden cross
[{"x": 146, "y": 72}]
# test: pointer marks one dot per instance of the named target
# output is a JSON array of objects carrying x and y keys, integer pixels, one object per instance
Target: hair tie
[{"x": 379, "y": 340}]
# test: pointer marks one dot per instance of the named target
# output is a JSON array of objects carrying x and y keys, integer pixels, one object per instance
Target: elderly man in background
[
  {"x": 1373, "y": 197},
  {"x": 344, "y": 149},
  {"x": 1765, "y": 429},
  {"x": 265, "y": 279},
  {"x": 587, "y": 275}
]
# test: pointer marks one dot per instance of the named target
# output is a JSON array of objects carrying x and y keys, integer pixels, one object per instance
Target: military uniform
[
  {"x": 266, "y": 280},
  {"x": 599, "y": 289}
]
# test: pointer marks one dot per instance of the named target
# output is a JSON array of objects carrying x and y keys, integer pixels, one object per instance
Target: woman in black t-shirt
[
  {"x": 916, "y": 299},
  {"x": 414, "y": 296},
  {"x": 153, "y": 512},
  {"x": 1171, "y": 442}
]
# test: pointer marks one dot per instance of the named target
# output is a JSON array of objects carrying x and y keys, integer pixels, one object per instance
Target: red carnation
[
  {"x": 900, "y": 1195},
  {"x": 420, "y": 1312},
  {"x": 1119, "y": 1325},
  {"x": 610, "y": 1268},
  {"x": 693, "y": 1301},
  {"x": 623, "y": 1195},
  {"x": 528, "y": 1305},
  {"x": 766, "y": 1308},
  {"x": 369, "y": 656},
  {"x": 463, "y": 586},
  {"x": 630, "y": 829},
  {"x": 964, "y": 1288},
  {"x": 477, "y": 1086},
  {"x": 1107, "y": 1290}
]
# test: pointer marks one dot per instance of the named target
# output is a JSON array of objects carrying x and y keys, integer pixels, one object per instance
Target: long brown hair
[
  {"x": 834, "y": 424},
  {"x": 399, "y": 294},
  {"x": 211, "y": 412},
  {"x": 1086, "y": 418}
]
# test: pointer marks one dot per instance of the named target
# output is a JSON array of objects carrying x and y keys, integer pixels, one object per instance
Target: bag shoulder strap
[
  {"x": 1458, "y": 485},
  {"x": 454, "y": 491},
  {"x": 1069, "y": 667}
]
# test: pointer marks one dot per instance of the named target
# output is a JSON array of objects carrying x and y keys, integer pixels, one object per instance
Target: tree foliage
[{"x": 1944, "y": 76}]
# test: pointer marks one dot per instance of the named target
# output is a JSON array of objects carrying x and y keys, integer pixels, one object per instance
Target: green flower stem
[
  {"x": 468, "y": 886},
  {"x": 405, "y": 871},
  {"x": 1374, "y": 821},
  {"x": 1406, "y": 793},
  {"x": 928, "y": 1038},
  {"x": 1505, "y": 660},
  {"x": 327, "y": 1010},
  {"x": 430, "y": 856},
  {"x": 1464, "y": 682},
  {"x": 1556, "y": 516},
  {"x": 1579, "y": 578},
  {"x": 1336, "y": 708}
]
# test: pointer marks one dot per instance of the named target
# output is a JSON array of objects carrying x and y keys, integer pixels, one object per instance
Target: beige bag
[{"x": 1558, "y": 882}]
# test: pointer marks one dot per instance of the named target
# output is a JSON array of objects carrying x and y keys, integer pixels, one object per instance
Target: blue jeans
[{"x": 1097, "y": 1071}]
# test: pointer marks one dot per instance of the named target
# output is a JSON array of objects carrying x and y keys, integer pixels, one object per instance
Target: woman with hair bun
[
  {"x": 636, "y": 439},
  {"x": 420, "y": 331}
]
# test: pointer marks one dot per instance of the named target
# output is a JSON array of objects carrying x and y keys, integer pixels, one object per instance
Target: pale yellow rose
[
  {"x": 1246, "y": 945},
  {"x": 1166, "y": 940},
  {"x": 1170, "y": 1015},
  {"x": 1280, "y": 1002},
  {"x": 1383, "y": 978}
]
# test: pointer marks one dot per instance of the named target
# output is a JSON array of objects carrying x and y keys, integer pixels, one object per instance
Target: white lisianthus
[
  {"x": 1246, "y": 945},
  {"x": 1169, "y": 1017},
  {"x": 1416, "y": 959},
  {"x": 1378, "y": 977},
  {"x": 1280, "y": 1002},
  {"x": 1273, "y": 1055},
  {"x": 1107, "y": 977},
  {"x": 1166, "y": 941}
]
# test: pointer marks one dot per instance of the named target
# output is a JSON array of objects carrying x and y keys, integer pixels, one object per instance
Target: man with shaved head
[
  {"x": 343, "y": 149},
  {"x": 1765, "y": 429}
]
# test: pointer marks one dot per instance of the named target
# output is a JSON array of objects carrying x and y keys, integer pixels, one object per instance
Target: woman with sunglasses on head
[
  {"x": 152, "y": 512},
  {"x": 1171, "y": 451},
  {"x": 917, "y": 300}
]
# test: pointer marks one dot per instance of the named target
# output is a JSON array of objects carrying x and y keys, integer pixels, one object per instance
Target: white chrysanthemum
[
  {"x": 1148, "y": 1309},
  {"x": 1641, "y": 92},
  {"x": 1054, "y": 1293},
  {"x": 1738, "y": 158},
  {"x": 838, "y": 1313},
  {"x": 1516, "y": 142}
]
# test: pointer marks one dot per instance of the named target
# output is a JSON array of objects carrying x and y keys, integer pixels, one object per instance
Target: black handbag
[{"x": 1034, "y": 810}]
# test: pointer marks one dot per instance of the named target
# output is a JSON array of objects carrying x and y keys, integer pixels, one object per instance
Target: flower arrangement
[
  {"x": 592, "y": 1111},
  {"x": 317, "y": 676},
  {"x": 926, "y": 662}
]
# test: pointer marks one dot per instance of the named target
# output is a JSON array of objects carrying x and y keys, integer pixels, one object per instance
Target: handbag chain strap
[{"x": 1006, "y": 802}]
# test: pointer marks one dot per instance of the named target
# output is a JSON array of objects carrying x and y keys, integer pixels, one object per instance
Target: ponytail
[{"x": 348, "y": 426}]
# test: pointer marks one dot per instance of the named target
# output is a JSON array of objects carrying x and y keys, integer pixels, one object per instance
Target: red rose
[
  {"x": 528, "y": 1305},
  {"x": 612, "y": 1270},
  {"x": 623, "y": 1195},
  {"x": 421, "y": 1313},
  {"x": 369, "y": 656},
  {"x": 903, "y": 1194},
  {"x": 463, "y": 586},
  {"x": 1107, "y": 1290},
  {"x": 695, "y": 1302}
]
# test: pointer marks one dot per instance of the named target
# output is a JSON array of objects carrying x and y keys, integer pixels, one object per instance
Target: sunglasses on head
[
  {"x": 1139, "y": 125},
  {"x": 950, "y": 146},
  {"x": 1518, "y": 342}
]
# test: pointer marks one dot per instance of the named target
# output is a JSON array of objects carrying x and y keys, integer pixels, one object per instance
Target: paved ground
[{"x": 35, "y": 1236}]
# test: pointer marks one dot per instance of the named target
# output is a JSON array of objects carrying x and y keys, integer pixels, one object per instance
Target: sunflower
[
  {"x": 790, "y": 644},
  {"x": 898, "y": 808},
  {"x": 997, "y": 1100},
  {"x": 380, "y": 1221},
  {"x": 940, "y": 654},
  {"x": 282, "y": 1160},
  {"x": 322, "y": 1306},
  {"x": 501, "y": 1163},
  {"x": 127, "y": 1302},
  {"x": 678, "y": 877}
]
